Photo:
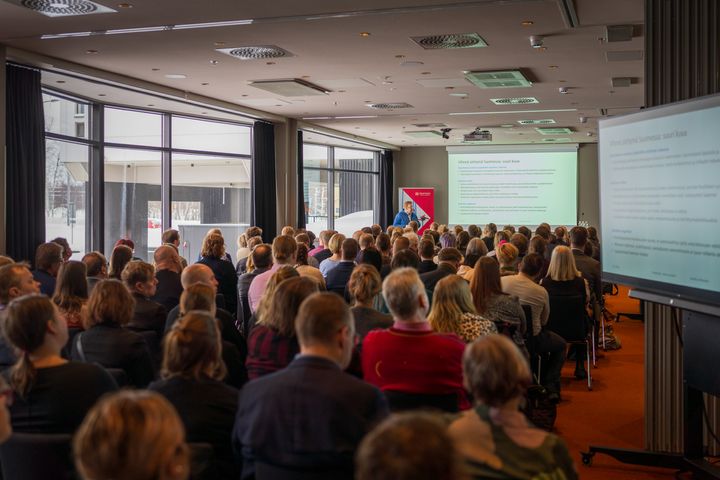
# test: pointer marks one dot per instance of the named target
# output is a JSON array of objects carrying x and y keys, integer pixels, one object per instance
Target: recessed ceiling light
[
  {"x": 562, "y": 81},
  {"x": 60, "y": 81},
  {"x": 101, "y": 95},
  {"x": 214, "y": 62},
  {"x": 458, "y": 95},
  {"x": 364, "y": 34},
  {"x": 176, "y": 76},
  {"x": 527, "y": 23},
  {"x": 341, "y": 91},
  {"x": 244, "y": 95},
  {"x": 125, "y": 5},
  {"x": 91, "y": 52},
  {"x": 425, "y": 73},
  {"x": 205, "y": 83},
  {"x": 155, "y": 69}
]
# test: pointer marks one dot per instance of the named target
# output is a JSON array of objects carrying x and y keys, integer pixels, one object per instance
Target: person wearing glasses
[{"x": 405, "y": 216}]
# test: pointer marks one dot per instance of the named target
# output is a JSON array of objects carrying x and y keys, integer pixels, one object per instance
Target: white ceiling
[{"x": 331, "y": 53}]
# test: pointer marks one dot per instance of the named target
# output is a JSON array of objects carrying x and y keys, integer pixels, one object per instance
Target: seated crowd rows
[{"x": 289, "y": 360}]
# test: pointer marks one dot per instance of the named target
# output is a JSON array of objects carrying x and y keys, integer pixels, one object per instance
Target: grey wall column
[
  {"x": 3, "y": 104},
  {"x": 286, "y": 172},
  {"x": 681, "y": 48}
]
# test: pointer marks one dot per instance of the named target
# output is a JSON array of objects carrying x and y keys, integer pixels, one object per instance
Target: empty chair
[{"x": 20, "y": 454}]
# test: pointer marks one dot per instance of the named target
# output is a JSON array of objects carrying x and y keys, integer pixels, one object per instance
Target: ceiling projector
[{"x": 478, "y": 136}]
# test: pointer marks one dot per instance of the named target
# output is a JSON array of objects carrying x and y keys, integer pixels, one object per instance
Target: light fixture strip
[{"x": 515, "y": 111}]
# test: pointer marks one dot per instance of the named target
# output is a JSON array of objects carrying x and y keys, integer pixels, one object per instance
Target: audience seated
[
  {"x": 171, "y": 238},
  {"x": 191, "y": 379},
  {"x": 507, "y": 256},
  {"x": 97, "y": 268},
  {"x": 48, "y": 258},
  {"x": 132, "y": 435},
  {"x": 382, "y": 243},
  {"x": 588, "y": 266},
  {"x": 364, "y": 287},
  {"x": 538, "y": 245},
  {"x": 520, "y": 241},
  {"x": 311, "y": 416},
  {"x": 371, "y": 256},
  {"x": 245, "y": 265},
  {"x": 409, "y": 446},
  {"x": 323, "y": 250},
  {"x": 409, "y": 357},
  {"x": 449, "y": 260},
  {"x": 427, "y": 253},
  {"x": 526, "y": 232},
  {"x": 106, "y": 341},
  {"x": 335, "y": 247},
  {"x": 120, "y": 257},
  {"x": 463, "y": 238},
  {"x": 453, "y": 311},
  {"x": 273, "y": 343},
  {"x": 139, "y": 278},
  {"x": 214, "y": 256},
  {"x": 16, "y": 280},
  {"x": 524, "y": 286},
  {"x": 475, "y": 250},
  {"x": 284, "y": 250},
  {"x": 488, "y": 237},
  {"x": 280, "y": 275},
  {"x": 168, "y": 268},
  {"x": 52, "y": 395},
  {"x": 262, "y": 260},
  {"x": 66, "y": 248},
  {"x": 306, "y": 270},
  {"x": 594, "y": 241},
  {"x": 71, "y": 293},
  {"x": 337, "y": 278},
  {"x": 494, "y": 437}
]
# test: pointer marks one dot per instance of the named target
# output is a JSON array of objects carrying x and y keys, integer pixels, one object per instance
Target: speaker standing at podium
[{"x": 405, "y": 216}]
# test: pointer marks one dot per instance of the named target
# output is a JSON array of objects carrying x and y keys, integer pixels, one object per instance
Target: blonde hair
[
  {"x": 131, "y": 435},
  {"x": 562, "y": 265},
  {"x": 451, "y": 299},
  {"x": 213, "y": 246},
  {"x": 364, "y": 283},
  {"x": 507, "y": 254},
  {"x": 198, "y": 296},
  {"x": 335, "y": 243},
  {"x": 193, "y": 348},
  {"x": 135, "y": 272},
  {"x": 282, "y": 273},
  {"x": 110, "y": 303}
]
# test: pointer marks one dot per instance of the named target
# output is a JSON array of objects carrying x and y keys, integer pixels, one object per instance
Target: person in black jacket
[
  {"x": 338, "y": 277},
  {"x": 52, "y": 394},
  {"x": 427, "y": 252},
  {"x": 106, "y": 341},
  {"x": 213, "y": 255},
  {"x": 139, "y": 278},
  {"x": 192, "y": 373},
  {"x": 449, "y": 260},
  {"x": 168, "y": 267},
  {"x": 262, "y": 260}
]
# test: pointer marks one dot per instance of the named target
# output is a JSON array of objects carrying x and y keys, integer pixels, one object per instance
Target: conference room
[{"x": 126, "y": 121}]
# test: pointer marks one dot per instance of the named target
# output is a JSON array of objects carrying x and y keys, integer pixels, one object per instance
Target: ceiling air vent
[
  {"x": 291, "y": 87},
  {"x": 514, "y": 101},
  {"x": 451, "y": 40},
  {"x": 424, "y": 134},
  {"x": 505, "y": 79},
  {"x": 619, "y": 33},
  {"x": 257, "y": 52},
  {"x": 544, "y": 121},
  {"x": 64, "y": 8},
  {"x": 618, "y": 82},
  {"x": 554, "y": 131},
  {"x": 389, "y": 106}
]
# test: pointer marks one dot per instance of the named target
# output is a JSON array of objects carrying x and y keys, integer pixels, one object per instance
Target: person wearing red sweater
[{"x": 410, "y": 357}]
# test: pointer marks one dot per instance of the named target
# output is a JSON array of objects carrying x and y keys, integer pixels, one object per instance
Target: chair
[
  {"x": 530, "y": 344},
  {"x": 202, "y": 457},
  {"x": 32, "y": 456},
  {"x": 402, "y": 401},
  {"x": 569, "y": 319},
  {"x": 119, "y": 375},
  {"x": 72, "y": 331},
  {"x": 265, "y": 471}
]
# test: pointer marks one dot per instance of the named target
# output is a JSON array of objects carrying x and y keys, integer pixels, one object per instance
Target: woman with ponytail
[
  {"x": 192, "y": 374},
  {"x": 52, "y": 395}
]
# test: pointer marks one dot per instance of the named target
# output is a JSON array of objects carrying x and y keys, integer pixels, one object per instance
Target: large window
[
  {"x": 340, "y": 187},
  {"x": 160, "y": 170}
]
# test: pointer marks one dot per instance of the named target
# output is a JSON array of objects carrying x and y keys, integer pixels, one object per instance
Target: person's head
[
  {"x": 376, "y": 230},
  {"x": 521, "y": 243},
  {"x": 71, "y": 288},
  {"x": 495, "y": 371},
  {"x": 537, "y": 245},
  {"x": 96, "y": 264},
  {"x": 198, "y": 273},
  {"x": 485, "y": 283},
  {"x": 288, "y": 230},
  {"x": 132, "y": 435},
  {"x": 447, "y": 240},
  {"x": 213, "y": 246},
  {"x": 366, "y": 240},
  {"x": 408, "y": 446},
  {"x": 509, "y": 228},
  {"x": 349, "y": 250},
  {"x": 302, "y": 238},
  {"x": 427, "y": 249},
  {"x": 66, "y": 249},
  {"x": 407, "y": 207},
  {"x": 285, "y": 303},
  {"x": 400, "y": 244},
  {"x": 525, "y": 231},
  {"x": 364, "y": 284},
  {"x": 253, "y": 232},
  {"x": 301, "y": 256},
  {"x": 531, "y": 265},
  {"x": 127, "y": 242},
  {"x": 262, "y": 256},
  {"x": 405, "y": 259},
  {"x": 473, "y": 231},
  {"x": 476, "y": 248},
  {"x": 463, "y": 238},
  {"x": 457, "y": 229},
  {"x": 561, "y": 234},
  {"x": 500, "y": 236},
  {"x": 371, "y": 256},
  {"x": 450, "y": 256},
  {"x": 490, "y": 230},
  {"x": 325, "y": 325},
  {"x": 592, "y": 234},
  {"x": 434, "y": 226},
  {"x": 6, "y": 400},
  {"x": 382, "y": 242},
  {"x": 507, "y": 255},
  {"x": 325, "y": 237},
  {"x": 171, "y": 236},
  {"x": 32, "y": 323},
  {"x": 543, "y": 232},
  {"x": 193, "y": 347},
  {"x": 281, "y": 274},
  {"x": 562, "y": 264},
  {"x": 413, "y": 239},
  {"x": 119, "y": 257},
  {"x": 284, "y": 249},
  {"x": 139, "y": 277},
  {"x": 242, "y": 240},
  {"x": 167, "y": 257},
  {"x": 413, "y": 225},
  {"x": 49, "y": 257},
  {"x": 335, "y": 243},
  {"x": 442, "y": 229},
  {"x": 5, "y": 260},
  {"x": 405, "y": 295},
  {"x": 110, "y": 303},
  {"x": 451, "y": 299},
  {"x": 254, "y": 242},
  {"x": 16, "y": 280},
  {"x": 578, "y": 237}
]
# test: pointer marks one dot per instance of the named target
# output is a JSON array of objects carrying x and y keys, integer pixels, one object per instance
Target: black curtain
[
  {"x": 387, "y": 213},
  {"x": 301, "y": 213},
  {"x": 263, "y": 180},
  {"x": 25, "y": 178}
]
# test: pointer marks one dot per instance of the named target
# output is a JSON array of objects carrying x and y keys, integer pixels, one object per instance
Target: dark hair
[
  {"x": 47, "y": 255},
  {"x": 301, "y": 257},
  {"x": 64, "y": 244},
  {"x": 449, "y": 254},
  {"x": 127, "y": 242},
  {"x": 463, "y": 238},
  {"x": 382, "y": 242},
  {"x": 521, "y": 243},
  {"x": 284, "y": 247},
  {"x": 525, "y": 231},
  {"x": 193, "y": 348},
  {"x": 170, "y": 236},
  {"x": 537, "y": 245},
  {"x": 25, "y": 327},
  {"x": 371, "y": 256},
  {"x": 578, "y": 236},
  {"x": 110, "y": 303},
  {"x": 473, "y": 231},
  {"x": 485, "y": 283},
  {"x": 71, "y": 289},
  {"x": 253, "y": 232},
  {"x": 349, "y": 249},
  {"x": 427, "y": 248},
  {"x": 120, "y": 257},
  {"x": 94, "y": 261},
  {"x": 262, "y": 255},
  {"x": 285, "y": 303},
  {"x": 592, "y": 233},
  {"x": 491, "y": 228},
  {"x": 543, "y": 231},
  {"x": 531, "y": 264},
  {"x": 405, "y": 258}
]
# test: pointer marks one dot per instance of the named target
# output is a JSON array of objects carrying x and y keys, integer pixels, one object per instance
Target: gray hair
[{"x": 401, "y": 290}]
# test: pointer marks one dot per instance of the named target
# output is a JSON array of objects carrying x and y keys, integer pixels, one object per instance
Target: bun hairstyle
[{"x": 193, "y": 348}]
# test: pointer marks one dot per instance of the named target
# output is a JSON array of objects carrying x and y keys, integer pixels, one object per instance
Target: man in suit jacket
[
  {"x": 139, "y": 278},
  {"x": 278, "y": 426},
  {"x": 338, "y": 277},
  {"x": 449, "y": 260},
  {"x": 168, "y": 267},
  {"x": 262, "y": 259},
  {"x": 588, "y": 266},
  {"x": 427, "y": 252}
]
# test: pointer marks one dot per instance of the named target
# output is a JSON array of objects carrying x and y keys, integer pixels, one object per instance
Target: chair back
[
  {"x": 402, "y": 401},
  {"x": 119, "y": 375},
  {"x": 568, "y": 317},
  {"x": 265, "y": 471},
  {"x": 72, "y": 332},
  {"x": 202, "y": 458},
  {"x": 34, "y": 456}
]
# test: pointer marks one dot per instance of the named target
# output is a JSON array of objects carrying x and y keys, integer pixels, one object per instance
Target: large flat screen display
[{"x": 660, "y": 211}]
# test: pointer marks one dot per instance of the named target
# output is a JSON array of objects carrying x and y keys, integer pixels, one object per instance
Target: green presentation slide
[{"x": 517, "y": 188}]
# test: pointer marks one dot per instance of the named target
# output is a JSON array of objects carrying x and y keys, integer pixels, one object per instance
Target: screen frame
[{"x": 670, "y": 290}]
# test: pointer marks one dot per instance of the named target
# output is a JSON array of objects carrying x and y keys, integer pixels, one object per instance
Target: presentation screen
[
  {"x": 659, "y": 185},
  {"x": 518, "y": 186}
]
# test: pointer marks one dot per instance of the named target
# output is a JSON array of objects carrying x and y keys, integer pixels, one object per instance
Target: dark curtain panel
[
  {"x": 25, "y": 192},
  {"x": 387, "y": 213},
  {"x": 263, "y": 180},
  {"x": 302, "y": 208}
]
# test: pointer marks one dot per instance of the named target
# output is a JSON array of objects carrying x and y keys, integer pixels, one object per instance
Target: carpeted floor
[{"x": 612, "y": 413}]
